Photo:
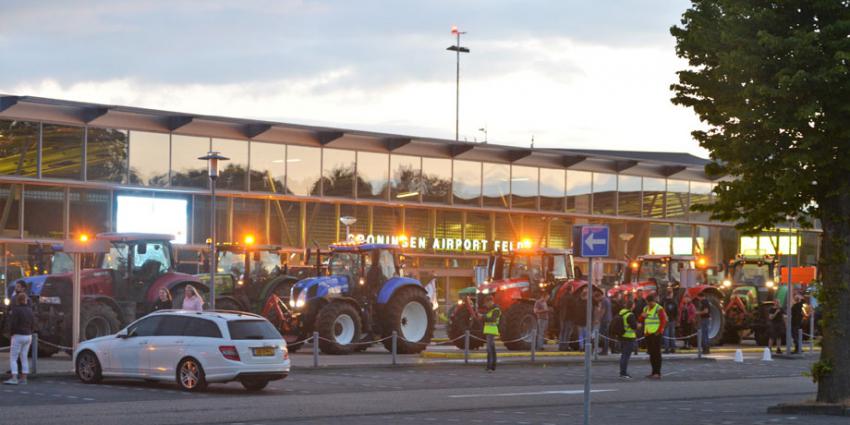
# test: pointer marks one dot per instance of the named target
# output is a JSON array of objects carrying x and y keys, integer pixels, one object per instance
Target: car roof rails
[{"x": 236, "y": 312}]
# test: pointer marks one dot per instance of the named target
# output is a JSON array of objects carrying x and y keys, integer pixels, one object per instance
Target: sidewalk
[{"x": 378, "y": 357}]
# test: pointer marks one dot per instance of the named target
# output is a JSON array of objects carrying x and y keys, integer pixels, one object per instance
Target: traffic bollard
[
  {"x": 34, "y": 363},
  {"x": 798, "y": 347},
  {"x": 395, "y": 346},
  {"x": 699, "y": 345},
  {"x": 533, "y": 344},
  {"x": 315, "y": 349},
  {"x": 466, "y": 347}
]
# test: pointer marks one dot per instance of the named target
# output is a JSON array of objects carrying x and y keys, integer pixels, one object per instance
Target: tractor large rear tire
[
  {"x": 718, "y": 320},
  {"x": 517, "y": 325},
  {"x": 338, "y": 324},
  {"x": 97, "y": 319},
  {"x": 409, "y": 314},
  {"x": 461, "y": 321}
]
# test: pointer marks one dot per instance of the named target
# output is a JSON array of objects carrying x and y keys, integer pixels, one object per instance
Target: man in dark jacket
[
  {"x": 671, "y": 307},
  {"x": 797, "y": 321}
]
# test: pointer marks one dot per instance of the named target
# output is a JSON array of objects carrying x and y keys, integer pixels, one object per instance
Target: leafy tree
[{"x": 771, "y": 79}]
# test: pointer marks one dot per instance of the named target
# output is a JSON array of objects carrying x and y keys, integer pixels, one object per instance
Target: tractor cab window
[
  {"x": 231, "y": 262},
  {"x": 559, "y": 267},
  {"x": 752, "y": 273},
  {"x": 345, "y": 264},
  {"x": 386, "y": 261},
  {"x": 151, "y": 257},
  {"x": 61, "y": 263},
  {"x": 529, "y": 266},
  {"x": 268, "y": 263},
  {"x": 653, "y": 269},
  {"x": 116, "y": 258}
]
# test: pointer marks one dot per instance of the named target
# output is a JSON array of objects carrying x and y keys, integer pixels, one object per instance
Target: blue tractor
[{"x": 364, "y": 296}]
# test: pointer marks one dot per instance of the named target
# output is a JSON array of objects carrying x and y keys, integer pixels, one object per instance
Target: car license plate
[{"x": 263, "y": 351}]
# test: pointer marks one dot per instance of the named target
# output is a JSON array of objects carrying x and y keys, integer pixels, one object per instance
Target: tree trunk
[{"x": 834, "y": 384}]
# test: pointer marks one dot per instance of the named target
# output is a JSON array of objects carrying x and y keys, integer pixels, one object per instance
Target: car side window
[
  {"x": 144, "y": 327},
  {"x": 171, "y": 326},
  {"x": 201, "y": 328}
]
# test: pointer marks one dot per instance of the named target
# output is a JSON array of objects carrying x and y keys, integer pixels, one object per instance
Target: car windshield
[
  {"x": 252, "y": 329},
  {"x": 752, "y": 273}
]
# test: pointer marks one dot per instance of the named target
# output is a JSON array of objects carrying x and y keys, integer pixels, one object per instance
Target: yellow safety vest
[
  {"x": 651, "y": 320},
  {"x": 628, "y": 332},
  {"x": 491, "y": 321}
]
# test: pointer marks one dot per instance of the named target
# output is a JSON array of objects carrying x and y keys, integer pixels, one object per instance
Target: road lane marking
[{"x": 528, "y": 393}]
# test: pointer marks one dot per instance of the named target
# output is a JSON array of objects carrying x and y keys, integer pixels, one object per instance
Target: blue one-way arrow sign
[{"x": 593, "y": 241}]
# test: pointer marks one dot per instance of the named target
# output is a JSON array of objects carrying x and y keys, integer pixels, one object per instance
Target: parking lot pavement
[{"x": 716, "y": 392}]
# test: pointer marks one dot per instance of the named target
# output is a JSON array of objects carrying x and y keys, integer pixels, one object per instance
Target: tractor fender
[
  {"x": 392, "y": 285},
  {"x": 269, "y": 288},
  {"x": 705, "y": 289},
  {"x": 108, "y": 301},
  {"x": 170, "y": 281},
  {"x": 242, "y": 306}
]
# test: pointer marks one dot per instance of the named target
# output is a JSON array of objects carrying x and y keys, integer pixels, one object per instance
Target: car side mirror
[{"x": 123, "y": 334}]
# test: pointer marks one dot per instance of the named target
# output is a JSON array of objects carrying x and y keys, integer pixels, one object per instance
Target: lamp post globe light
[
  {"x": 213, "y": 158},
  {"x": 348, "y": 221},
  {"x": 458, "y": 49}
]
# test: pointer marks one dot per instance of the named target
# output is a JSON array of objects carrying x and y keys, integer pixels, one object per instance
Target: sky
[{"x": 565, "y": 73}]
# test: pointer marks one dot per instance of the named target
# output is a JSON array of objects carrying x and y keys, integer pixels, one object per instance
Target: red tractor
[
  {"x": 515, "y": 281},
  {"x": 121, "y": 287},
  {"x": 653, "y": 274}
]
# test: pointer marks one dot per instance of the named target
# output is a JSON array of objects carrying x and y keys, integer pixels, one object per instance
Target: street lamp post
[
  {"x": 348, "y": 221},
  {"x": 212, "y": 158},
  {"x": 458, "y": 49}
]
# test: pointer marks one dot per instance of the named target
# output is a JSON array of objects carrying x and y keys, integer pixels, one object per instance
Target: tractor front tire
[
  {"x": 338, "y": 324},
  {"x": 461, "y": 321},
  {"x": 409, "y": 314},
  {"x": 98, "y": 319},
  {"x": 516, "y": 326},
  {"x": 716, "y": 333}
]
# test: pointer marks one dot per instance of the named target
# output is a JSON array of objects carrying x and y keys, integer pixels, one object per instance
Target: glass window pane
[
  {"x": 89, "y": 212},
  {"x": 62, "y": 152},
  {"x": 552, "y": 187},
  {"x": 677, "y": 198},
  {"x": 659, "y": 239},
  {"x": 268, "y": 167},
  {"x": 18, "y": 148},
  {"x": 10, "y": 202},
  {"x": 249, "y": 218},
  {"x": 406, "y": 182},
  {"x": 201, "y": 219},
  {"x": 338, "y": 173},
  {"x": 321, "y": 225},
  {"x": 372, "y": 175},
  {"x": 497, "y": 185},
  {"x": 436, "y": 180},
  {"x": 149, "y": 158},
  {"x": 106, "y": 155},
  {"x": 303, "y": 165},
  {"x": 387, "y": 222},
  {"x": 604, "y": 193},
  {"x": 466, "y": 186},
  {"x": 231, "y": 173},
  {"x": 284, "y": 223},
  {"x": 186, "y": 169},
  {"x": 578, "y": 191},
  {"x": 508, "y": 229},
  {"x": 653, "y": 197},
  {"x": 682, "y": 242},
  {"x": 559, "y": 233},
  {"x": 700, "y": 195},
  {"x": 629, "y": 196},
  {"x": 524, "y": 187},
  {"x": 45, "y": 209},
  {"x": 449, "y": 226},
  {"x": 478, "y": 228}
]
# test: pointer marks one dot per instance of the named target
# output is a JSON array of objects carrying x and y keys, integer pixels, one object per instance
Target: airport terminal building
[{"x": 68, "y": 168}]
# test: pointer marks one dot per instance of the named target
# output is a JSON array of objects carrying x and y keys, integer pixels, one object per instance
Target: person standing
[
  {"x": 654, "y": 320},
  {"x": 164, "y": 301},
  {"x": 580, "y": 317},
  {"x": 627, "y": 338},
  {"x": 687, "y": 318},
  {"x": 541, "y": 311},
  {"x": 21, "y": 323},
  {"x": 605, "y": 322},
  {"x": 797, "y": 321},
  {"x": 704, "y": 315},
  {"x": 565, "y": 315},
  {"x": 491, "y": 331},
  {"x": 639, "y": 305},
  {"x": 192, "y": 300},
  {"x": 776, "y": 323},
  {"x": 671, "y": 309}
]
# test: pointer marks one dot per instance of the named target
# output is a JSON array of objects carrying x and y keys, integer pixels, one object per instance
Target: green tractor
[{"x": 749, "y": 289}]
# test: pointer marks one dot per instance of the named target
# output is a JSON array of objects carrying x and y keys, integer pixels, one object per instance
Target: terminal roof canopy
[{"x": 650, "y": 164}]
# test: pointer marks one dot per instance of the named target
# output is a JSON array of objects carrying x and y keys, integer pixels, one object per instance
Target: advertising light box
[{"x": 140, "y": 214}]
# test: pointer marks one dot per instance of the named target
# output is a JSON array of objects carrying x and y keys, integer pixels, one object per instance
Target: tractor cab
[
  {"x": 244, "y": 270},
  {"x": 135, "y": 261},
  {"x": 753, "y": 271},
  {"x": 654, "y": 273},
  {"x": 526, "y": 272}
]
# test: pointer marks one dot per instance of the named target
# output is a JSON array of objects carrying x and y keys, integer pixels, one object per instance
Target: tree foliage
[{"x": 771, "y": 80}]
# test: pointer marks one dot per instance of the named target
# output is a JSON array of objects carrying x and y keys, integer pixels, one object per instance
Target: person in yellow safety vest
[
  {"x": 491, "y": 331},
  {"x": 627, "y": 339},
  {"x": 654, "y": 321}
]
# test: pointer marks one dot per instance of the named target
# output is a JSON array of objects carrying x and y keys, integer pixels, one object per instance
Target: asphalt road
[{"x": 697, "y": 392}]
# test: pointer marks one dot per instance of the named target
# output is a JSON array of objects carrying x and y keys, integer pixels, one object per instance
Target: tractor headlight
[
  {"x": 301, "y": 300},
  {"x": 769, "y": 284},
  {"x": 362, "y": 281},
  {"x": 6, "y": 301},
  {"x": 485, "y": 291},
  {"x": 459, "y": 302},
  {"x": 727, "y": 283}
]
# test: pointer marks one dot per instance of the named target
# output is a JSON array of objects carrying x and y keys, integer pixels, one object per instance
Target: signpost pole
[
  {"x": 75, "y": 302},
  {"x": 587, "y": 326}
]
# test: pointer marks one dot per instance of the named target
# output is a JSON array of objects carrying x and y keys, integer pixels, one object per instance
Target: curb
[{"x": 810, "y": 409}]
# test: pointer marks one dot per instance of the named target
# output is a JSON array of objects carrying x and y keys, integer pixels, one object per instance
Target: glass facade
[
  {"x": 10, "y": 202},
  {"x": 552, "y": 189},
  {"x": 677, "y": 198},
  {"x": 90, "y": 211},
  {"x": 186, "y": 169},
  {"x": 653, "y": 197},
  {"x": 148, "y": 163},
  {"x": 62, "y": 152},
  {"x": 629, "y": 195},
  {"x": 107, "y": 152},
  {"x": 524, "y": 187},
  {"x": 579, "y": 189},
  {"x": 44, "y": 212},
  {"x": 372, "y": 175},
  {"x": 604, "y": 193},
  {"x": 338, "y": 173},
  {"x": 233, "y": 173},
  {"x": 19, "y": 148},
  {"x": 268, "y": 167},
  {"x": 496, "y": 185},
  {"x": 406, "y": 184},
  {"x": 466, "y": 183},
  {"x": 436, "y": 180},
  {"x": 303, "y": 170}
]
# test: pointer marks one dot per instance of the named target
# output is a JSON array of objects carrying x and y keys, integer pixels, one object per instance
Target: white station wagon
[{"x": 191, "y": 348}]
